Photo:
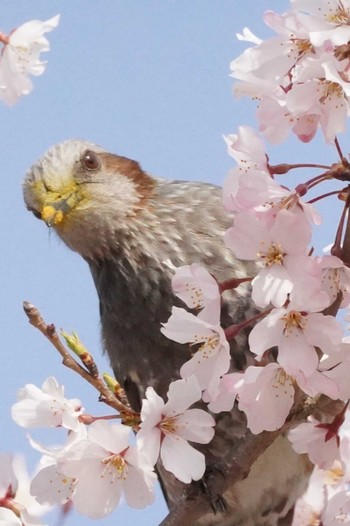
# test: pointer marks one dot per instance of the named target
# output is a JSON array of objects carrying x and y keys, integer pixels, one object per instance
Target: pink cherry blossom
[
  {"x": 267, "y": 65},
  {"x": 167, "y": 427},
  {"x": 51, "y": 485},
  {"x": 335, "y": 279},
  {"x": 266, "y": 397},
  {"x": 300, "y": 76},
  {"x": 328, "y": 20},
  {"x": 296, "y": 332},
  {"x": 211, "y": 359},
  {"x": 324, "y": 101},
  {"x": 105, "y": 467},
  {"x": 321, "y": 446},
  {"x": 21, "y": 58},
  {"x": 337, "y": 510},
  {"x": 225, "y": 395},
  {"x": 250, "y": 189},
  {"x": 319, "y": 382},
  {"x": 280, "y": 253},
  {"x": 247, "y": 148},
  {"x": 46, "y": 407},
  {"x": 198, "y": 290},
  {"x": 254, "y": 190},
  {"x": 14, "y": 494}
]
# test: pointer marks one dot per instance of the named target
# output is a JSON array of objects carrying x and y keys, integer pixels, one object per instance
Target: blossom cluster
[
  {"x": 20, "y": 57},
  {"x": 300, "y": 76},
  {"x": 301, "y": 81},
  {"x": 97, "y": 464}
]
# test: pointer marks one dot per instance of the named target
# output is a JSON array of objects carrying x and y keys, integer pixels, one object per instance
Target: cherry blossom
[
  {"x": 225, "y": 395},
  {"x": 46, "y": 407},
  {"x": 105, "y": 467},
  {"x": 21, "y": 57},
  {"x": 15, "y": 496},
  {"x": 167, "y": 427},
  {"x": 281, "y": 255},
  {"x": 268, "y": 64},
  {"x": 247, "y": 148},
  {"x": 250, "y": 188},
  {"x": 301, "y": 76},
  {"x": 50, "y": 485},
  {"x": 318, "y": 441},
  {"x": 336, "y": 367},
  {"x": 265, "y": 66},
  {"x": 211, "y": 359},
  {"x": 324, "y": 99},
  {"x": 335, "y": 279},
  {"x": 337, "y": 509},
  {"x": 266, "y": 397},
  {"x": 254, "y": 191},
  {"x": 296, "y": 331},
  {"x": 266, "y": 394},
  {"x": 326, "y": 21},
  {"x": 198, "y": 290}
]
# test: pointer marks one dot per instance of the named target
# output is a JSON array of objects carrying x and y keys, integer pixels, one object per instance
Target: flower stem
[
  {"x": 232, "y": 283},
  {"x": 232, "y": 331},
  {"x": 319, "y": 197}
]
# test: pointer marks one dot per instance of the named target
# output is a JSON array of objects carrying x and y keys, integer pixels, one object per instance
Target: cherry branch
[
  {"x": 49, "y": 331},
  {"x": 345, "y": 252}
]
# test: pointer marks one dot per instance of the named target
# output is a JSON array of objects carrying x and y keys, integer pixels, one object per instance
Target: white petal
[
  {"x": 195, "y": 425},
  {"x": 181, "y": 459},
  {"x": 113, "y": 438},
  {"x": 182, "y": 394},
  {"x": 148, "y": 441}
]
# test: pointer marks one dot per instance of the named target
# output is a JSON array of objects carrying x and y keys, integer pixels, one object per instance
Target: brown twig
[
  {"x": 49, "y": 331},
  {"x": 345, "y": 253}
]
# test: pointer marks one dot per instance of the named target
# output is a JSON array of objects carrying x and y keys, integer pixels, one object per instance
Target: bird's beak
[{"x": 55, "y": 208}]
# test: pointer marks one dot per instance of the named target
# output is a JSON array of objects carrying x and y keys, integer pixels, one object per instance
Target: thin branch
[
  {"x": 232, "y": 331},
  {"x": 232, "y": 283},
  {"x": 337, "y": 248},
  {"x": 323, "y": 196},
  {"x": 49, "y": 331},
  {"x": 337, "y": 145},
  {"x": 345, "y": 252}
]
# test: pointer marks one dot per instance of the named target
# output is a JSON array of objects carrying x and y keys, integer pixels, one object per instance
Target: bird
[{"x": 133, "y": 229}]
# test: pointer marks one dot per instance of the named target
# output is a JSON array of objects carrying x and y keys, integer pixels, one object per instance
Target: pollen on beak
[
  {"x": 57, "y": 206},
  {"x": 52, "y": 215}
]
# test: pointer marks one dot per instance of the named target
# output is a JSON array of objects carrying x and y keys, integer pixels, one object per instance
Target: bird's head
[{"x": 86, "y": 194}]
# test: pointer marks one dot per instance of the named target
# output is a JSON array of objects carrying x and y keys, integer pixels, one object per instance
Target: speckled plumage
[{"x": 133, "y": 229}]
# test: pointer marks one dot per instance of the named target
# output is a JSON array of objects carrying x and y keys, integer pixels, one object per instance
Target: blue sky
[{"x": 148, "y": 79}]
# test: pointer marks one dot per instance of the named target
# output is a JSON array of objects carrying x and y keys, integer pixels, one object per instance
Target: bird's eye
[{"x": 90, "y": 160}]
